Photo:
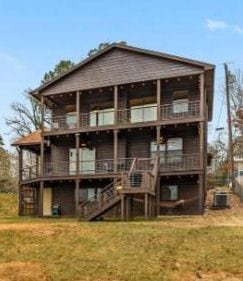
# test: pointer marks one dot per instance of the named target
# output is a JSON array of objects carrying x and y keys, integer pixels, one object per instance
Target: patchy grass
[
  {"x": 70, "y": 250},
  {"x": 8, "y": 204},
  {"x": 171, "y": 248}
]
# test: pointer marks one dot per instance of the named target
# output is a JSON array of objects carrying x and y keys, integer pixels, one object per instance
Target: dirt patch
[{"x": 22, "y": 271}]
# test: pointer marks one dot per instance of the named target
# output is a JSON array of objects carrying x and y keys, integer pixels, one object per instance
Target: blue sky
[{"x": 35, "y": 35}]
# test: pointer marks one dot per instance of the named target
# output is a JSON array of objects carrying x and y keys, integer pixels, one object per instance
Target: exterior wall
[
  {"x": 120, "y": 67},
  {"x": 63, "y": 194},
  {"x": 188, "y": 190}
]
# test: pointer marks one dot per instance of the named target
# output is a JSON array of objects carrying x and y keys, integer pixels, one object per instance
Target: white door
[
  {"x": 72, "y": 161},
  {"x": 47, "y": 201},
  {"x": 87, "y": 161}
]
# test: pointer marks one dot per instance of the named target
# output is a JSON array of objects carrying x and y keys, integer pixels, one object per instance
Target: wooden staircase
[{"x": 141, "y": 179}]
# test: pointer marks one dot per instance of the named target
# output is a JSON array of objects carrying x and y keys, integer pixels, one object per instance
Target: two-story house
[{"x": 124, "y": 134}]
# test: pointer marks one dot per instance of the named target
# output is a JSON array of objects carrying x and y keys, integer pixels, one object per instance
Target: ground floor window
[{"x": 169, "y": 193}]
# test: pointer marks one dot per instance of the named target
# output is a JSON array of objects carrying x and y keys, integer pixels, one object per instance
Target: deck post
[
  {"x": 115, "y": 145},
  {"x": 77, "y": 197},
  {"x": 77, "y": 140},
  {"x": 201, "y": 193},
  {"x": 40, "y": 197},
  {"x": 146, "y": 205},
  {"x": 78, "y": 109},
  {"x": 157, "y": 189},
  {"x": 42, "y": 139},
  {"x": 116, "y": 104},
  {"x": 202, "y": 96},
  {"x": 158, "y": 94},
  {"x": 20, "y": 164},
  {"x": 122, "y": 207}
]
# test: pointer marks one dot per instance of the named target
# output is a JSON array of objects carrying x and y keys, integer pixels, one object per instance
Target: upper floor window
[
  {"x": 144, "y": 113},
  {"x": 180, "y": 102},
  {"x": 71, "y": 119},
  {"x": 171, "y": 151},
  {"x": 102, "y": 117}
]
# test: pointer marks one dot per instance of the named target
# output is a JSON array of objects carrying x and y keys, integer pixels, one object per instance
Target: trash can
[
  {"x": 135, "y": 179},
  {"x": 55, "y": 210}
]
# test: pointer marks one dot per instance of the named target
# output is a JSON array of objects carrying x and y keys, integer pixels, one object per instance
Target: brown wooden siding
[
  {"x": 63, "y": 194},
  {"x": 188, "y": 190},
  {"x": 119, "y": 67}
]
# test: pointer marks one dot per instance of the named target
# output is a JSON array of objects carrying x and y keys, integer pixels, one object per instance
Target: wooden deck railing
[
  {"x": 126, "y": 116},
  {"x": 165, "y": 163}
]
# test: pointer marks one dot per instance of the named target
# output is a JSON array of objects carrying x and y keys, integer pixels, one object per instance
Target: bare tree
[{"x": 26, "y": 116}]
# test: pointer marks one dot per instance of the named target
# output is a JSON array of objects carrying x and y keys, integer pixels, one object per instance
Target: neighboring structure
[{"x": 127, "y": 137}]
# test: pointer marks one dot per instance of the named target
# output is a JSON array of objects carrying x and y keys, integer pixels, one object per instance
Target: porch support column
[
  {"x": 40, "y": 197},
  {"x": 77, "y": 198},
  {"x": 20, "y": 164},
  {"x": 116, "y": 103},
  {"x": 77, "y": 140},
  {"x": 202, "y": 96},
  {"x": 42, "y": 138},
  {"x": 201, "y": 193},
  {"x": 115, "y": 145},
  {"x": 158, "y": 136},
  {"x": 158, "y": 93},
  {"x": 37, "y": 164},
  {"x": 146, "y": 205},
  {"x": 122, "y": 207},
  {"x": 202, "y": 164},
  {"x": 78, "y": 109}
]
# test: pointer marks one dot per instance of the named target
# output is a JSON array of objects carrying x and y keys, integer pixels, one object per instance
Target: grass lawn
[{"x": 171, "y": 248}]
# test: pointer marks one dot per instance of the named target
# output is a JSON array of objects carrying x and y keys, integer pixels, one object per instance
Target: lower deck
[{"x": 174, "y": 195}]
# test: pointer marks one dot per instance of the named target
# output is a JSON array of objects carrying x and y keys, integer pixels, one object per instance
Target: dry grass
[{"x": 171, "y": 248}]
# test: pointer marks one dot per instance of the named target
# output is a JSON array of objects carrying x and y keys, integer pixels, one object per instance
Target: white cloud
[
  {"x": 238, "y": 29},
  {"x": 214, "y": 25},
  {"x": 10, "y": 60}
]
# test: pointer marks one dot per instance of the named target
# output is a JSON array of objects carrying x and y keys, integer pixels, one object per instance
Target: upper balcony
[
  {"x": 141, "y": 104},
  {"x": 135, "y": 116}
]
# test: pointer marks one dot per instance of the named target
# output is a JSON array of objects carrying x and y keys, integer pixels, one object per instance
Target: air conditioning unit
[{"x": 222, "y": 199}]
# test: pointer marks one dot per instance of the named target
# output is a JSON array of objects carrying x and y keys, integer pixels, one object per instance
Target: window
[
  {"x": 102, "y": 117},
  {"x": 241, "y": 173},
  {"x": 71, "y": 119},
  {"x": 180, "y": 106},
  {"x": 180, "y": 102},
  {"x": 170, "y": 152},
  {"x": 143, "y": 113},
  {"x": 169, "y": 193}
]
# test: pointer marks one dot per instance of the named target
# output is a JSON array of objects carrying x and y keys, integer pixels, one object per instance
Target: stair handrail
[
  {"x": 96, "y": 201},
  {"x": 132, "y": 166}
]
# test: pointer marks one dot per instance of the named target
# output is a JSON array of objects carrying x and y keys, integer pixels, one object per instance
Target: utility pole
[{"x": 230, "y": 140}]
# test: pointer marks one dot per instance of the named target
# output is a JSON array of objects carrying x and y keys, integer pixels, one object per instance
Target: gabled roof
[
  {"x": 202, "y": 65},
  {"x": 31, "y": 139}
]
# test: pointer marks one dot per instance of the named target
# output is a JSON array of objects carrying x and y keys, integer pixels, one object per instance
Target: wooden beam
[
  {"x": 116, "y": 103},
  {"x": 77, "y": 140},
  {"x": 122, "y": 207},
  {"x": 158, "y": 197},
  {"x": 40, "y": 197},
  {"x": 77, "y": 198},
  {"x": 78, "y": 109},
  {"x": 202, "y": 95},
  {"x": 20, "y": 164},
  {"x": 146, "y": 205},
  {"x": 201, "y": 194},
  {"x": 42, "y": 138},
  {"x": 158, "y": 94},
  {"x": 115, "y": 145}
]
